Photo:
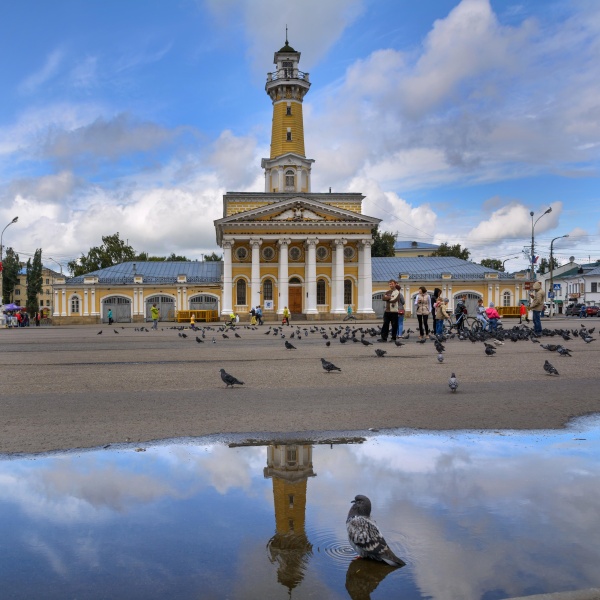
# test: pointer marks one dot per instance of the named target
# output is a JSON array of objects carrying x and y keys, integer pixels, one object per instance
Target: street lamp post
[
  {"x": 507, "y": 259},
  {"x": 533, "y": 239},
  {"x": 552, "y": 266},
  {"x": 54, "y": 260},
  {"x": 1, "y": 257}
]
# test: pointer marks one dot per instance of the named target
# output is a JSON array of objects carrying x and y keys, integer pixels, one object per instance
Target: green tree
[
  {"x": 213, "y": 257},
  {"x": 112, "y": 252},
  {"x": 383, "y": 242},
  {"x": 145, "y": 257},
  {"x": 545, "y": 265},
  {"x": 455, "y": 250},
  {"x": 34, "y": 281},
  {"x": 10, "y": 274},
  {"x": 492, "y": 263}
]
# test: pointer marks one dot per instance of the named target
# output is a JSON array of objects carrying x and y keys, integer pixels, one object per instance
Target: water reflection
[{"x": 475, "y": 516}]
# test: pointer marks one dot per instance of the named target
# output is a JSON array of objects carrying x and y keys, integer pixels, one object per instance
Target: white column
[
  {"x": 338, "y": 306},
  {"x": 226, "y": 303},
  {"x": 283, "y": 275},
  {"x": 310, "y": 275},
  {"x": 84, "y": 304},
  {"x": 93, "y": 310},
  {"x": 365, "y": 280},
  {"x": 360, "y": 304},
  {"x": 333, "y": 255},
  {"x": 64, "y": 303},
  {"x": 255, "y": 276},
  {"x": 280, "y": 187},
  {"x": 141, "y": 306},
  {"x": 184, "y": 302}
]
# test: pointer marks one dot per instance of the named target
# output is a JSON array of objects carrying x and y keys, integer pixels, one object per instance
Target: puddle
[{"x": 474, "y": 515}]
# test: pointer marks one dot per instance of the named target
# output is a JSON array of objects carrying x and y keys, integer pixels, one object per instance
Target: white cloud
[{"x": 47, "y": 72}]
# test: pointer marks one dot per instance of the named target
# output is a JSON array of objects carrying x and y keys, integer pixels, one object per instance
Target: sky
[{"x": 455, "y": 119}]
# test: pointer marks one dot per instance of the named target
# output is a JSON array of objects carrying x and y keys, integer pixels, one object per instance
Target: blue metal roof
[
  {"x": 157, "y": 272},
  {"x": 408, "y": 245},
  {"x": 426, "y": 268}
]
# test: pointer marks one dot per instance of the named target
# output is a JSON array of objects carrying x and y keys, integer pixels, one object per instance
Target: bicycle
[{"x": 454, "y": 324}]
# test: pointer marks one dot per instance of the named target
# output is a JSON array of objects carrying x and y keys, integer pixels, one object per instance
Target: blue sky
[{"x": 454, "y": 118}]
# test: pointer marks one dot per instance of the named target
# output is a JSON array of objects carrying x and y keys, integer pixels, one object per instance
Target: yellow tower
[{"x": 287, "y": 169}]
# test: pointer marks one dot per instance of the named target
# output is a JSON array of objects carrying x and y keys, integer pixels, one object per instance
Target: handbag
[{"x": 400, "y": 312}]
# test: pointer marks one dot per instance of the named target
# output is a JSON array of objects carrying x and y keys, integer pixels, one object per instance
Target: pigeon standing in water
[
  {"x": 364, "y": 535},
  {"x": 329, "y": 366},
  {"x": 229, "y": 380},
  {"x": 453, "y": 383},
  {"x": 550, "y": 369}
]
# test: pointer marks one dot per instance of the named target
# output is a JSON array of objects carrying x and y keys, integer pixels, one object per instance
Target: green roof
[{"x": 287, "y": 48}]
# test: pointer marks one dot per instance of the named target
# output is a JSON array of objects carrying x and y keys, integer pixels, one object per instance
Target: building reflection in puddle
[{"x": 475, "y": 515}]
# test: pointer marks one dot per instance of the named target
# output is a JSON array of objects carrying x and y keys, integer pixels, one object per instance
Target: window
[
  {"x": 594, "y": 286},
  {"x": 241, "y": 292},
  {"x": 290, "y": 180},
  {"x": 47, "y": 281},
  {"x": 47, "y": 302},
  {"x": 268, "y": 253},
  {"x": 295, "y": 253},
  {"x": 295, "y": 280},
  {"x": 321, "y": 291},
  {"x": 349, "y": 252},
  {"x": 17, "y": 292},
  {"x": 241, "y": 253},
  {"x": 322, "y": 253},
  {"x": 74, "y": 304},
  {"x": 506, "y": 299},
  {"x": 288, "y": 135},
  {"x": 267, "y": 289},
  {"x": 288, "y": 109},
  {"x": 47, "y": 292},
  {"x": 347, "y": 291},
  {"x": 291, "y": 456}
]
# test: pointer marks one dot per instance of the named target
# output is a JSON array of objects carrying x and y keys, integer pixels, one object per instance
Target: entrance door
[{"x": 295, "y": 299}]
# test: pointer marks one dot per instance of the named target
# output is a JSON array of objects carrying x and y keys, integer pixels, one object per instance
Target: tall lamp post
[
  {"x": 533, "y": 239},
  {"x": 54, "y": 260},
  {"x": 507, "y": 259},
  {"x": 552, "y": 266},
  {"x": 1, "y": 257}
]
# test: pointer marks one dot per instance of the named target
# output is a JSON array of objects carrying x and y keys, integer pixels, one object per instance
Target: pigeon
[
  {"x": 440, "y": 357},
  {"x": 366, "y": 342},
  {"x": 489, "y": 351},
  {"x": 225, "y": 336},
  {"x": 399, "y": 344},
  {"x": 453, "y": 383},
  {"x": 289, "y": 346},
  {"x": 328, "y": 343},
  {"x": 564, "y": 351},
  {"x": 237, "y": 335},
  {"x": 550, "y": 369},
  {"x": 115, "y": 331},
  {"x": 100, "y": 332},
  {"x": 380, "y": 353},
  {"x": 364, "y": 535},
  {"x": 329, "y": 366},
  {"x": 229, "y": 380},
  {"x": 199, "y": 340}
]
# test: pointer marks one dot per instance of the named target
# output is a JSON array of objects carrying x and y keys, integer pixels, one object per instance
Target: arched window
[
  {"x": 347, "y": 291},
  {"x": 74, "y": 304},
  {"x": 241, "y": 292},
  {"x": 267, "y": 289},
  {"x": 507, "y": 299},
  {"x": 321, "y": 291},
  {"x": 289, "y": 180}
]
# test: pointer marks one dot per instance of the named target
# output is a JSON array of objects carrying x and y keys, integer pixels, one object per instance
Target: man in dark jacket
[{"x": 390, "y": 316}]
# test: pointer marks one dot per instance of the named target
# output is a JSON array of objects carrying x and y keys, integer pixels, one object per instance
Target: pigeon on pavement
[
  {"x": 453, "y": 383},
  {"x": 364, "y": 535},
  {"x": 229, "y": 380},
  {"x": 550, "y": 369},
  {"x": 329, "y": 366},
  {"x": 489, "y": 351},
  {"x": 440, "y": 357},
  {"x": 380, "y": 353},
  {"x": 289, "y": 346},
  {"x": 199, "y": 340},
  {"x": 100, "y": 332}
]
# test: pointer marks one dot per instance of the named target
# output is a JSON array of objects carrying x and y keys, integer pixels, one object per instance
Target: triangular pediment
[{"x": 297, "y": 210}]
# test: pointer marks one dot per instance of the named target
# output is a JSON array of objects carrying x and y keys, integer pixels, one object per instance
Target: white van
[{"x": 547, "y": 309}]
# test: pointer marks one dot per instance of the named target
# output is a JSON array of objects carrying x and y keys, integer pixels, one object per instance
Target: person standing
[
  {"x": 109, "y": 315},
  {"x": 286, "y": 316},
  {"x": 155, "y": 313},
  {"x": 460, "y": 312},
  {"x": 441, "y": 314},
  {"x": 390, "y": 316},
  {"x": 493, "y": 315},
  {"x": 401, "y": 312},
  {"x": 537, "y": 306},
  {"x": 437, "y": 295},
  {"x": 523, "y": 313},
  {"x": 259, "y": 315},
  {"x": 37, "y": 319},
  {"x": 423, "y": 310}
]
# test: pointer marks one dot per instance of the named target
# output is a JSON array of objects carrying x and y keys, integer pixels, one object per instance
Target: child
[
  {"x": 523, "y": 313},
  {"x": 441, "y": 314},
  {"x": 482, "y": 314},
  {"x": 493, "y": 315},
  {"x": 286, "y": 315}
]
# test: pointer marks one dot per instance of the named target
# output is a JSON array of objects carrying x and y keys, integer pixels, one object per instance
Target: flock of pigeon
[{"x": 367, "y": 335}]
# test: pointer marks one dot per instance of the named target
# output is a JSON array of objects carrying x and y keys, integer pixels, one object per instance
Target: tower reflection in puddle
[{"x": 289, "y": 466}]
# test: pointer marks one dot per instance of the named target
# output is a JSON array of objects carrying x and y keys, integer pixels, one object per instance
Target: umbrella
[{"x": 13, "y": 307}]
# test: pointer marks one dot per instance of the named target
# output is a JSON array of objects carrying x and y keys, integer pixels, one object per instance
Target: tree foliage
[
  {"x": 446, "y": 249},
  {"x": 112, "y": 252},
  {"x": 145, "y": 257},
  {"x": 544, "y": 265},
  {"x": 492, "y": 263},
  {"x": 383, "y": 242},
  {"x": 35, "y": 281},
  {"x": 213, "y": 257},
  {"x": 10, "y": 274}
]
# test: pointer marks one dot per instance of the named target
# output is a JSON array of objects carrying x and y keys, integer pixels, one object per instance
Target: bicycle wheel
[{"x": 476, "y": 326}]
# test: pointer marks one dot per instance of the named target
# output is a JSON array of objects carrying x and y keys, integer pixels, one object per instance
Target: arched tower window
[
  {"x": 241, "y": 292},
  {"x": 321, "y": 291},
  {"x": 267, "y": 289},
  {"x": 290, "y": 180},
  {"x": 347, "y": 291}
]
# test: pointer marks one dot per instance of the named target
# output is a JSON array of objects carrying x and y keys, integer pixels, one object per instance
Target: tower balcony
[{"x": 287, "y": 74}]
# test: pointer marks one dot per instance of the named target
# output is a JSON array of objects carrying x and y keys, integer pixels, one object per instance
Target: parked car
[
  {"x": 573, "y": 310},
  {"x": 592, "y": 311}
]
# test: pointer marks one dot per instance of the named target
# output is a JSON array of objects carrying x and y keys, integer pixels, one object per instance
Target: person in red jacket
[
  {"x": 523, "y": 313},
  {"x": 493, "y": 315}
]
